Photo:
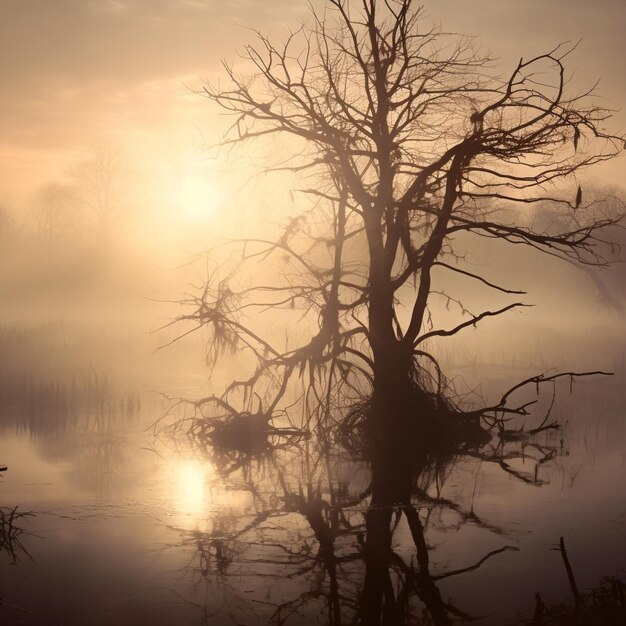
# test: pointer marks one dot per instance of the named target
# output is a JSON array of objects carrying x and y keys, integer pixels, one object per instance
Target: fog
[{"x": 122, "y": 207}]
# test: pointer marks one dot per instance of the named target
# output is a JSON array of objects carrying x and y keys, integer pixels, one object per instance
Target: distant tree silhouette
[
  {"x": 603, "y": 203},
  {"x": 410, "y": 147},
  {"x": 56, "y": 212},
  {"x": 101, "y": 181}
]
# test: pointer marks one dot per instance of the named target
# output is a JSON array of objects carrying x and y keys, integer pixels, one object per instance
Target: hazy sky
[{"x": 79, "y": 73}]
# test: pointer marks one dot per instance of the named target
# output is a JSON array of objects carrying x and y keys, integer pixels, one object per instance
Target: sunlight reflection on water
[
  {"x": 106, "y": 490},
  {"x": 190, "y": 487}
]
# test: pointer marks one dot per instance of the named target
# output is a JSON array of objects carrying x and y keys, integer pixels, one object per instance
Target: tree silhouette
[
  {"x": 603, "y": 203},
  {"x": 101, "y": 181},
  {"x": 411, "y": 148},
  {"x": 56, "y": 212}
]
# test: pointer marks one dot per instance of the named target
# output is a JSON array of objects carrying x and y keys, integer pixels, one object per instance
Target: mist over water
[
  {"x": 126, "y": 528},
  {"x": 144, "y": 481}
]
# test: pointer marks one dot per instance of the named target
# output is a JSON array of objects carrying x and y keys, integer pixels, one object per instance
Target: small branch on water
[{"x": 570, "y": 575}]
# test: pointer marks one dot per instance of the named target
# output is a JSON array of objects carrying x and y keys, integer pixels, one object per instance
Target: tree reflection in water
[{"x": 325, "y": 540}]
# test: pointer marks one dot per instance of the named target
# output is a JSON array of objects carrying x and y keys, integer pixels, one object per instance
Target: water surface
[{"x": 131, "y": 529}]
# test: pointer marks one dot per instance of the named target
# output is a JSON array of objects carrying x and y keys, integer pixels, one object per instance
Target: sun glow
[
  {"x": 191, "y": 488},
  {"x": 193, "y": 192},
  {"x": 198, "y": 197}
]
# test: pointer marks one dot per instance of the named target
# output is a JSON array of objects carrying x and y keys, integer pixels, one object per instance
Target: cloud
[
  {"x": 70, "y": 68},
  {"x": 73, "y": 71},
  {"x": 115, "y": 7}
]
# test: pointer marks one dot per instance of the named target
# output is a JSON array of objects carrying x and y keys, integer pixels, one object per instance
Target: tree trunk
[{"x": 398, "y": 411}]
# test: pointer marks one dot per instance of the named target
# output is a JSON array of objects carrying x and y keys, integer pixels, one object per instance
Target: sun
[
  {"x": 198, "y": 197},
  {"x": 193, "y": 191}
]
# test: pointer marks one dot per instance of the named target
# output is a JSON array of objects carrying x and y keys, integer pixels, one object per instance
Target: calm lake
[{"x": 118, "y": 526}]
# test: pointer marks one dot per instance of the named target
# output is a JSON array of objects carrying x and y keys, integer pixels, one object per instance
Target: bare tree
[
  {"x": 408, "y": 146},
  {"x": 56, "y": 212},
  {"x": 102, "y": 182},
  {"x": 9, "y": 237}
]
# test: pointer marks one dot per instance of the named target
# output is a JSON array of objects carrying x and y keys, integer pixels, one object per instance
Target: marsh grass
[
  {"x": 48, "y": 381},
  {"x": 11, "y": 532},
  {"x": 604, "y": 605}
]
